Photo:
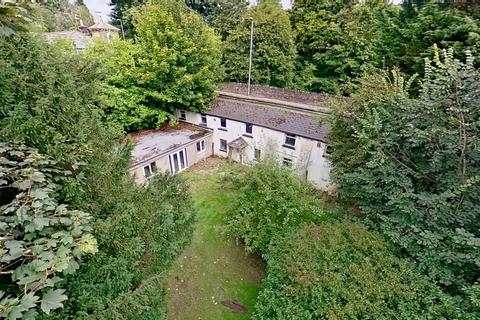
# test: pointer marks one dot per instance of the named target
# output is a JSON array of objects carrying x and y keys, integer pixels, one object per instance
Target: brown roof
[
  {"x": 103, "y": 26},
  {"x": 269, "y": 117},
  {"x": 261, "y": 91}
]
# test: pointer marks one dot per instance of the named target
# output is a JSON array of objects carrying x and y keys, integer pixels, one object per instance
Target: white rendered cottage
[{"x": 246, "y": 131}]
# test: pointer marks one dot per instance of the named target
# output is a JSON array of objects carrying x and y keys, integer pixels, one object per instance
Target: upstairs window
[
  {"x": 203, "y": 120},
  {"x": 150, "y": 170},
  {"x": 290, "y": 140},
  {"x": 223, "y": 123},
  {"x": 201, "y": 146},
  {"x": 183, "y": 115},
  {"x": 223, "y": 145},
  {"x": 249, "y": 128}
]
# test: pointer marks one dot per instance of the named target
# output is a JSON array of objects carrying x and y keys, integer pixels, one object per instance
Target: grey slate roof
[
  {"x": 103, "y": 26},
  {"x": 238, "y": 144},
  {"x": 269, "y": 117}
]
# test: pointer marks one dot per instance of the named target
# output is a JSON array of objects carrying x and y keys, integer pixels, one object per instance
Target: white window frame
[
  {"x": 171, "y": 159},
  {"x": 221, "y": 120},
  {"x": 290, "y": 136},
  {"x": 150, "y": 170},
  {"x": 203, "y": 146},
  {"x": 226, "y": 145},
  {"x": 259, "y": 154},
  {"x": 182, "y": 115},
  {"x": 202, "y": 116}
]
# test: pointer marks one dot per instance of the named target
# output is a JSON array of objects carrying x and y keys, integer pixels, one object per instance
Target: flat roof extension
[{"x": 150, "y": 144}]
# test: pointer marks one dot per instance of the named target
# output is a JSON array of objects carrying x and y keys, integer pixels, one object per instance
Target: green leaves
[
  {"x": 52, "y": 300},
  {"x": 174, "y": 63},
  {"x": 39, "y": 239},
  {"x": 411, "y": 163}
]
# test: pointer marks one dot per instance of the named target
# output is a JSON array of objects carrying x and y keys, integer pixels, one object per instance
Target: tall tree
[
  {"x": 338, "y": 39},
  {"x": 274, "y": 48},
  {"x": 173, "y": 63},
  {"x": 411, "y": 163}
]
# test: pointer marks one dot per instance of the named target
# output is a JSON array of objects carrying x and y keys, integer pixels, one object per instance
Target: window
[
  {"x": 328, "y": 151},
  {"x": 258, "y": 154},
  {"x": 201, "y": 146},
  {"x": 287, "y": 162},
  {"x": 150, "y": 170},
  {"x": 249, "y": 128},
  {"x": 183, "y": 115},
  {"x": 290, "y": 140},
  {"x": 223, "y": 122},
  {"x": 203, "y": 120},
  {"x": 223, "y": 145},
  {"x": 178, "y": 161}
]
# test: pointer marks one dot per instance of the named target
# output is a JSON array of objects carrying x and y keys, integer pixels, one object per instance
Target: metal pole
[
  {"x": 251, "y": 58},
  {"x": 121, "y": 25}
]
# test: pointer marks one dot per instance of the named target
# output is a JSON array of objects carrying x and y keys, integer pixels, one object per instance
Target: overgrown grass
[{"x": 213, "y": 269}]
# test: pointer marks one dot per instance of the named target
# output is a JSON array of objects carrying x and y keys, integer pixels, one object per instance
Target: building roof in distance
[
  {"x": 303, "y": 125},
  {"x": 80, "y": 39},
  {"x": 101, "y": 25},
  {"x": 150, "y": 144},
  {"x": 261, "y": 91}
]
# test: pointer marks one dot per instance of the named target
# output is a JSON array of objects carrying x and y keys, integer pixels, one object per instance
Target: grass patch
[{"x": 213, "y": 269}]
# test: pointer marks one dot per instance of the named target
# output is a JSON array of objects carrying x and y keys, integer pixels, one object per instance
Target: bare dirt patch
[{"x": 235, "y": 306}]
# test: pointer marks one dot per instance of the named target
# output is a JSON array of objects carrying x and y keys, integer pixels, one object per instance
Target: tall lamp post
[{"x": 251, "y": 58}]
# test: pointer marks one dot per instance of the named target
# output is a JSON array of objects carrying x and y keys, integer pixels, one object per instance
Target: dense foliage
[
  {"x": 173, "y": 63},
  {"x": 51, "y": 100},
  {"x": 344, "y": 271},
  {"x": 274, "y": 47},
  {"x": 40, "y": 238},
  {"x": 411, "y": 163},
  {"x": 144, "y": 231},
  {"x": 318, "y": 268},
  {"x": 269, "y": 205}
]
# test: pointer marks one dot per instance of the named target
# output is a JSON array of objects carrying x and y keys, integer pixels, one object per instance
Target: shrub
[
  {"x": 344, "y": 271},
  {"x": 271, "y": 201},
  {"x": 138, "y": 241}
]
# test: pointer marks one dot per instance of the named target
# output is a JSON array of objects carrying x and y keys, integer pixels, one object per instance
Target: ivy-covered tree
[
  {"x": 173, "y": 63},
  {"x": 411, "y": 163},
  {"x": 41, "y": 239},
  {"x": 274, "y": 48}
]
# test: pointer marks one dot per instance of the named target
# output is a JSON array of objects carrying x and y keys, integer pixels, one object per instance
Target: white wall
[{"x": 308, "y": 157}]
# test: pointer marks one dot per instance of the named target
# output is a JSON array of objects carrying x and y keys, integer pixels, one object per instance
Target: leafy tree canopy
[
  {"x": 274, "y": 48},
  {"x": 173, "y": 63},
  {"x": 412, "y": 164}
]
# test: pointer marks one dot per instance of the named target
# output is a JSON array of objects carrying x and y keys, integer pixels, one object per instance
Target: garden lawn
[{"x": 214, "y": 271}]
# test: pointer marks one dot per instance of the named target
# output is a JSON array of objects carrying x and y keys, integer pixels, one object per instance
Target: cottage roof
[
  {"x": 150, "y": 144},
  {"x": 103, "y": 26},
  {"x": 269, "y": 117}
]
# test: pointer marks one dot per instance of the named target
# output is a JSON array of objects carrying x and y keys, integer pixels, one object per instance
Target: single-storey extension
[{"x": 169, "y": 149}]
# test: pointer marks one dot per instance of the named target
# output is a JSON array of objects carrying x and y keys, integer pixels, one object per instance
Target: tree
[
  {"x": 120, "y": 14},
  {"x": 274, "y": 48},
  {"x": 13, "y": 16},
  {"x": 412, "y": 165},
  {"x": 173, "y": 63},
  {"x": 339, "y": 39}
]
